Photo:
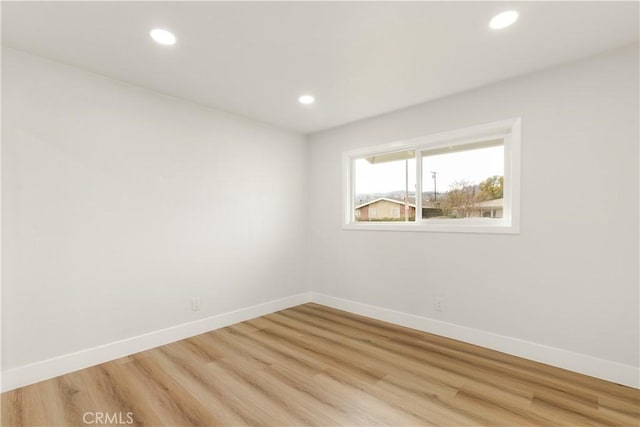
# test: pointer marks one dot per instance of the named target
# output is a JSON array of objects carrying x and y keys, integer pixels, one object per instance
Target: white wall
[
  {"x": 569, "y": 280},
  {"x": 120, "y": 204}
]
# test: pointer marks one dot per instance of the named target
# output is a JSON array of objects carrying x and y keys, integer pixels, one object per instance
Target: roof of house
[
  {"x": 399, "y": 202},
  {"x": 426, "y": 203},
  {"x": 488, "y": 204}
]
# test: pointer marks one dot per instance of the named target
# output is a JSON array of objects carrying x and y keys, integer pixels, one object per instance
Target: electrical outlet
[
  {"x": 439, "y": 305},
  {"x": 195, "y": 304}
]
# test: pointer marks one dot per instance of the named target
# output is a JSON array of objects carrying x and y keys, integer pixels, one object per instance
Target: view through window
[
  {"x": 458, "y": 182},
  {"x": 463, "y": 181},
  {"x": 385, "y": 188}
]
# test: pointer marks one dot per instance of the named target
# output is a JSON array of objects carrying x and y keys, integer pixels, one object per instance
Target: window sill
[{"x": 435, "y": 228}]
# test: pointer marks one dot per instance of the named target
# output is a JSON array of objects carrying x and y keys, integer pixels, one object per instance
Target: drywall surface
[
  {"x": 120, "y": 205},
  {"x": 569, "y": 280}
]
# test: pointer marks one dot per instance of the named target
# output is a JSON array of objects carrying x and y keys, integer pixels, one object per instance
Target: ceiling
[{"x": 359, "y": 59}]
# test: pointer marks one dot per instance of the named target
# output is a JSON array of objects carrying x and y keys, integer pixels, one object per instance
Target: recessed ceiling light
[
  {"x": 163, "y": 36},
  {"x": 503, "y": 20},
  {"x": 306, "y": 99}
]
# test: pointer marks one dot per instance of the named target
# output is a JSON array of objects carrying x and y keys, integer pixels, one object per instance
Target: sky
[{"x": 473, "y": 166}]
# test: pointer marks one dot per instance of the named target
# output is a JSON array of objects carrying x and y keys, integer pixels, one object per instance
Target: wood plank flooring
[{"x": 315, "y": 366}]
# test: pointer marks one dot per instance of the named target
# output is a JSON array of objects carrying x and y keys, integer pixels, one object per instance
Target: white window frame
[{"x": 509, "y": 130}]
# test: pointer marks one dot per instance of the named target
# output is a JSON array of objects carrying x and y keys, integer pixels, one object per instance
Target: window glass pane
[
  {"x": 463, "y": 182},
  {"x": 385, "y": 188}
]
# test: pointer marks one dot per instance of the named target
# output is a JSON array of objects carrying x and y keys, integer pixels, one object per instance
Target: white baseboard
[
  {"x": 43, "y": 370},
  {"x": 600, "y": 368},
  {"x": 589, "y": 365}
]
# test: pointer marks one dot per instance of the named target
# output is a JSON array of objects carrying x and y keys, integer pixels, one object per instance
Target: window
[{"x": 460, "y": 181}]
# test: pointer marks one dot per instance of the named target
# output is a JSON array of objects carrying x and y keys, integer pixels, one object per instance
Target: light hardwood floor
[{"x": 313, "y": 365}]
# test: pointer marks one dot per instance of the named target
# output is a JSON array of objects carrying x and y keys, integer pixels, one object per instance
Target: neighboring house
[
  {"x": 387, "y": 209},
  {"x": 488, "y": 209},
  {"x": 383, "y": 209}
]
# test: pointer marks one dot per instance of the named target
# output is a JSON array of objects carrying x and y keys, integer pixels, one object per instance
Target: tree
[
  {"x": 492, "y": 188},
  {"x": 460, "y": 199}
]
